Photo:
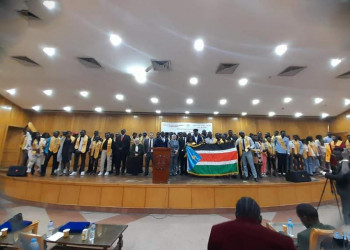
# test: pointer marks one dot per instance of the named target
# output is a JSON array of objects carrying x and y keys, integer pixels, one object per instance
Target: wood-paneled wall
[
  {"x": 50, "y": 121},
  {"x": 15, "y": 117},
  {"x": 341, "y": 124}
]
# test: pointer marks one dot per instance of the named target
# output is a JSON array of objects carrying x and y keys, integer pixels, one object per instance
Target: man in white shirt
[{"x": 209, "y": 139}]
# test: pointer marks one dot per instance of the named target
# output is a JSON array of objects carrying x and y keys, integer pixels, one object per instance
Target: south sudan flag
[{"x": 212, "y": 159}]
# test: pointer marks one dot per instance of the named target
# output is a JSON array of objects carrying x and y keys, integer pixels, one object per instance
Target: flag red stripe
[{"x": 219, "y": 157}]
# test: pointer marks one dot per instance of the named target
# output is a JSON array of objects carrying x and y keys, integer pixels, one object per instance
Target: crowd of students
[{"x": 268, "y": 155}]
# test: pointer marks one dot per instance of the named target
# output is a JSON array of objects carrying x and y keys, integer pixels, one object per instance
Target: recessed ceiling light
[
  {"x": 318, "y": 100},
  {"x": 37, "y": 108},
  {"x": 158, "y": 111},
  {"x": 48, "y": 92},
  {"x": 298, "y": 114},
  {"x": 6, "y": 107},
  {"x": 139, "y": 73},
  {"x": 243, "y": 81},
  {"x": 324, "y": 115},
  {"x": 49, "y": 4},
  {"x": 11, "y": 91},
  {"x": 154, "y": 100},
  {"x": 255, "y": 101},
  {"x": 194, "y": 80},
  {"x": 67, "y": 108},
  {"x": 189, "y": 101},
  {"x": 346, "y": 102},
  {"x": 216, "y": 112},
  {"x": 223, "y": 101},
  {"x": 187, "y": 112},
  {"x": 335, "y": 62},
  {"x": 287, "y": 100},
  {"x": 210, "y": 118},
  {"x": 281, "y": 49},
  {"x": 84, "y": 93},
  {"x": 98, "y": 109},
  {"x": 348, "y": 116},
  {"x": 185, "y": 117},
  {"x": 115, "y": 39},
  {"x": 271, "y": 113},
  {"x": 198, "y": 44},
  {"x": 128, "y": 110},
  {"x": 244, "y": 113},
  {"x": 119, "y": 97},
  {"x": 49, "y": 51},
  {"x": 135, "y": 116}
]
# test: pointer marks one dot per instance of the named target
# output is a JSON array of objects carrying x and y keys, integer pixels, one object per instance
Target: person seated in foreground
[
  {"x": 309, "y": 217},
  {"x": 246, "y": 232}
]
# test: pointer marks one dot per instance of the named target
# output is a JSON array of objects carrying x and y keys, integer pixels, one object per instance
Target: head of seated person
[
  {"x": 246, "y": 207},
  {"x": 309, "y": 217}
]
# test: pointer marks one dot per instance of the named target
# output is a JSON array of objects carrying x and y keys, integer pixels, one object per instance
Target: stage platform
[{"x": 137, "y": 193}]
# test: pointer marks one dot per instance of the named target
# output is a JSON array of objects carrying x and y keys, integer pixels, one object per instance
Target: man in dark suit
[
  {"x": 122, "y": 144},
  {"x": 148, "y": 145},
  {"x": 182, "y": 152},
  {"x": 196, "y": 137},
  {"x": 246, "y": 232},
  {"x": 161, "y": 141}
]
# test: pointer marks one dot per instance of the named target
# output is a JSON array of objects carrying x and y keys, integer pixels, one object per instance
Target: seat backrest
[
  {"x": 316, "y": 236},
  {"x": 25, "y": 238}
]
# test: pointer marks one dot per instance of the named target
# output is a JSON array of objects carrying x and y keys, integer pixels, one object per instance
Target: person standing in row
[
  {"x": 24, "y": 149},
  {"x": 161, "y": 141},
  {"x": 148, "y": 145},
  {"x": 174, "y": 146},
  {"x": 106, "y": 155},
  {"x": 182, "y": 153},
  {"x": 95, "y": 152},
  {"x": 135, "y": 161},
  {"x": 64, "y": 155},
  {"x": 196, "y": 137},
  {"x": 35, "y": 153},
  {"x": 282, "y": 149},
  {"x": 82, "y": 145},
  {"x": 270, "y": 157},
  {"x": 51, "y": 149},
  {"x": 290, "y": 158},
  {"x": 245, "y": 144},
  {"x": 298, "y": 153},
  {"x": 122, "y": 144}
]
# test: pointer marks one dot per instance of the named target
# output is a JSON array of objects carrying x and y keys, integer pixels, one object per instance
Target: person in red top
[{"x": 246, "y": 232}]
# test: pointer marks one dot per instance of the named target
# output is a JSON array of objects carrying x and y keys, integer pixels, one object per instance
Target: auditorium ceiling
[{"x": 239, "y": 34}]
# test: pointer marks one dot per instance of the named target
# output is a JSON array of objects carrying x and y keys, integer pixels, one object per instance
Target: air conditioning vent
[
  {"x": 291, "y": 71},
  {"x": 161, "y": 65},
  {"x": 89, "y": 62},
  {"x": 27, "y": 15},
  {"x": 226, "y": 68},
  {"x": 25, "y": 61},
  {"x": 346, "y": 75}
]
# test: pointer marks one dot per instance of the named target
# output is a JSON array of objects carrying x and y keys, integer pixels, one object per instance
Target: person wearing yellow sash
[
  {"x": 245, "y": 144},
  {"x": 51, "y": 149},
  {"x": 311, "y": 156},
  {"x": 282, "y": 149},
  {"x": 218, "y": 139},
  {"x": 35, "y": 153},
  {"x": 82, "y": 145},
  {"x": 269, "y": 149},
  {"x": 106, "y": 155},
  {"x": 336, "y": 143},
  {"x": 298, "y": 153},
  {"x": 290, "y": 157},
  {"x": 94, "y": 154}
]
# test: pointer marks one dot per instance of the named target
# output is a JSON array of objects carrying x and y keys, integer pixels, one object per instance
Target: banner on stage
[
  {"x": 212, "y": 159},
  {"x": 187, "y": 127}
]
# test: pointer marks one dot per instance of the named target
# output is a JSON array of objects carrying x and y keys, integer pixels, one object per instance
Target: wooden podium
[{"x": 161, "y": 165}]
